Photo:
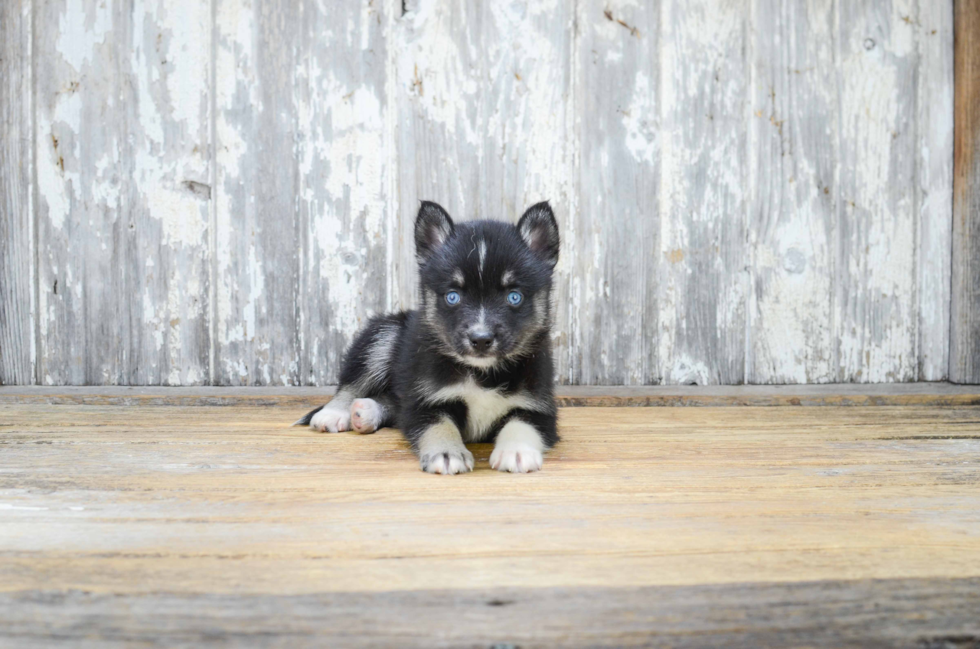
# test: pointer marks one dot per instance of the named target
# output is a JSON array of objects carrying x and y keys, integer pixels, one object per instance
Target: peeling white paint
[
  {"x": 57, "y": 174},
  {"x": 80, "y": 31},
  {"x": 433, "y": 69},
  {"x": 641, "y": 121}
]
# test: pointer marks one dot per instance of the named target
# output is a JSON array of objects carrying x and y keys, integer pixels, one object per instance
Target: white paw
[
  {"x": 516, "y": 457},
  {"x": 449, "y": 461},
  {"x": 330, "y": 419},
  {"x": 366, "y": 415}
]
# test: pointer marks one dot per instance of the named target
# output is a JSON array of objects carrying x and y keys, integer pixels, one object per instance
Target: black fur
[{"x": 401, "y": 360}]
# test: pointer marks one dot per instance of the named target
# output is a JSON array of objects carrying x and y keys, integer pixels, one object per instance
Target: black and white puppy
[{"x": 473, "y": 363}]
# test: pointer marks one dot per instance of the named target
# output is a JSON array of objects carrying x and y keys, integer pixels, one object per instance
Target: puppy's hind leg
[
  {"x": 368, "y": 415},
  {"x": 365, "y": 370},
  {"x": 333, "y": 417}
]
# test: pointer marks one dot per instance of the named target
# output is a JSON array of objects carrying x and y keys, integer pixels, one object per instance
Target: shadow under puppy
[{"x": 473, "y": 363}]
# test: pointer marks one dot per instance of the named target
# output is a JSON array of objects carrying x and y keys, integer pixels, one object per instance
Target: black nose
[{"x": 481, "y": 341}]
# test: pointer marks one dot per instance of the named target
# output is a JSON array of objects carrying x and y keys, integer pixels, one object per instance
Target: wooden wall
[
  {"x": 964, "y": 353},
  {"x": 221, "y": 192}
]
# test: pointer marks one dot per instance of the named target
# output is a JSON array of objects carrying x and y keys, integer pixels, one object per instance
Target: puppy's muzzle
[{"x": 481, "y": 341}]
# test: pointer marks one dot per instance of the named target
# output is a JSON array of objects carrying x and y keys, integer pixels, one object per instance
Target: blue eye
[
  {"x": 452, "y": 298},
  {"x": 514, "y": 298}
]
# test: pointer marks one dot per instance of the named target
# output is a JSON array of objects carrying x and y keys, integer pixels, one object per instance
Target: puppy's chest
[{"x": 484, "y": 407}]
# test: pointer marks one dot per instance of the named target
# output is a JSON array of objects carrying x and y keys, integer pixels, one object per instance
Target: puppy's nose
[{"x": 481, "y": 340}]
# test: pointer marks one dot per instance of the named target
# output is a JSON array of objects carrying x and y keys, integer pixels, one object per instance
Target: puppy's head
[{"x": 486, "y": 285}]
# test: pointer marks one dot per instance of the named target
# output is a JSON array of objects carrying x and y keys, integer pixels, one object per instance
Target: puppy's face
[{"x": 486, "y": 286}]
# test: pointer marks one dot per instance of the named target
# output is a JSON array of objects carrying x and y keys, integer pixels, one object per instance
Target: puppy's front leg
[
  {"x": 519, "y": 448},
  {"x": 440, "y": 448}
]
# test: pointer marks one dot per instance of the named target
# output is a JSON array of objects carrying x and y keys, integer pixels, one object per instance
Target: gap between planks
[{"x": 885, "y": 394}]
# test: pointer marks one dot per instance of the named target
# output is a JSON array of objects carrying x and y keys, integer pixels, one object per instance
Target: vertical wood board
[
  {"x": 302, "y": 209},
  {"x": 702, "y": 263},
  {"x": 876, "y": 322},
  {"x": 791, "y": 210},
  {"x": 612, "y": 245},
  {"x": 17, "y": 351},
  {"x": 934, "y": 162},
  {"x": 344, "y": 173},
  {"x": 122, "y": 174},
  {"x": 964, "y": 351},
  {"x": 257, "y": 232}
]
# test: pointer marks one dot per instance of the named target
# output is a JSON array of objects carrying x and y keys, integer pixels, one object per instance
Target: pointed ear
[
  {"x": 539, "y": 230},
  {"x": 432, "y": 228}
]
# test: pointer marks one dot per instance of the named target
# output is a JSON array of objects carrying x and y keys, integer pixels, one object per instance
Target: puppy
[{"x": 473, "y": 362}]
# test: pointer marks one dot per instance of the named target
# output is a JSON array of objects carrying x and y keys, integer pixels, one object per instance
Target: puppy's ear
[
  {"x": 432, "y": 228},
  {"x": 539, "y": 230}
]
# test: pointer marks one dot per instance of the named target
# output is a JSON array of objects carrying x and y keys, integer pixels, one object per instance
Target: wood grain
[
  {"x": 934, "y": 101},
  {"x": 233, "y": 500},
  {"x": 913, "y": 613},
  {"x": 964, "y": 351},
  {"x": 122, "y": 144},
  {"x": 230, "y": 516},
  {"x": 16, "y": 195}
]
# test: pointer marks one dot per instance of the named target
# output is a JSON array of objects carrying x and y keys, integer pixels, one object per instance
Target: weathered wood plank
[
  {"x": 876, "y": 320},
  {"x": 934, "y": 200},
  {"x": 914, "y": 613},
  {"x": 612, "y": 322},
  {"x": 791, "y": 210},
  {"x": 345, "y": 208},
  {"x": 483, "y": 96},
  {"x": 703, "y": 258},
  {"x": 122, "y": 143},
  {"x": 258, "y": 237},
  {"x": 16, "y": 195},
  {"x": 964, "y": 351},
  {"x": 302, "y": 207},
  {"x": 852, "y": 394}
]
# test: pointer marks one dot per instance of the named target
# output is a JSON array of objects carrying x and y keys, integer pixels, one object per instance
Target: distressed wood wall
[{"x": 222, "y": 192}]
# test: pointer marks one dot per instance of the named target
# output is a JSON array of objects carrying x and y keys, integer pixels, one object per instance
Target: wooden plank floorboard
[
  {"x": 915, "y": 613},
  {"x": 698, "y": 525}
]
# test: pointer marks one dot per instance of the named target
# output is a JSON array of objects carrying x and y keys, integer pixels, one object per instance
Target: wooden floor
[{"x": 737, "y": 526}]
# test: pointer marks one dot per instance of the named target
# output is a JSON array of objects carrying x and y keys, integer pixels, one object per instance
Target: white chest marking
[{"x": 483, "y": 407}]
